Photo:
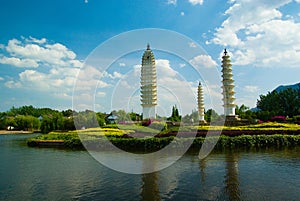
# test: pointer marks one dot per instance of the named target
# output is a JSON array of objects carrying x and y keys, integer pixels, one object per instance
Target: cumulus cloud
[
  {"x": 50, "y": 67},
  {"x": 35, "y": 40},
  {"x": 172, "y": 2},
  {"x": 32, "y": 52},
  {"x": 201, "y": 61},
  {"x": 258, "y": 35},
  {"x": 30, "y": 63},
  {"x": 195, "y": 2}
]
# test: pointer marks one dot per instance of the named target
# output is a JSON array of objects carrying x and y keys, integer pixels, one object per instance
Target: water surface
[{"x": 57, "y": 174}]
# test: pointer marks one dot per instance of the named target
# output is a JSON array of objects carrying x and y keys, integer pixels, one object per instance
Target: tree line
[{"x": 285, "y": 103}]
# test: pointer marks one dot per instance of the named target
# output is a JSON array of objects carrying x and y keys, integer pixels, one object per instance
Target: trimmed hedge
[{"x": 155, "y": 144}]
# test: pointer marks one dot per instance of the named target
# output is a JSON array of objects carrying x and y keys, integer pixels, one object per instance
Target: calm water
[{"x": 55, "y": 174}]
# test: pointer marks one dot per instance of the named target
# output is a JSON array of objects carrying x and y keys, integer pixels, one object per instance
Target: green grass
[{"x": 138, "y": 128}]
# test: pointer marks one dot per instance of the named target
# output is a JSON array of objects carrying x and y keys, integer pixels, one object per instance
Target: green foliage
[
  {"x": 27, "y": 122},
  {"x": 175, "y": 117},
  {"x": 138, "y": 128},
  {"x": 211, "y": 115},
  {"x": 244, "y": 112},
  {"x": 86, "y": 119},
  {"x": 72, "y": 140},
  {"x": 191, "y": 118},
  {"x": 255, "y": 127},
  {"x": 285, "y": 102},
  {"x": 54, "y": 121},
  {"x": 67, "y": 113},
  {"x": 160, "y": 126}
]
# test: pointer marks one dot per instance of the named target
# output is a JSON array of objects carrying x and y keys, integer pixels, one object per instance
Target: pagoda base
[
  {"x": 202, "y": 122},
  {"x": 232, "y": 120},
  {"x": 149, "y": 112}
]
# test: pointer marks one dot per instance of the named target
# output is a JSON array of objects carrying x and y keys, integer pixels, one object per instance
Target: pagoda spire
[
  {"x": 200, "y": 103},
  {"x": 228, "y": 85},
  {"x": 148, "y": 85}
]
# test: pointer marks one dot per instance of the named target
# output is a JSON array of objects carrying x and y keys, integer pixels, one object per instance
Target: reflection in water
[
  {"x": 53, "y": 174},
  {"x": 231, "y": 179},
  {"x": 150, "y": 189},
  {"x": 202, "y": 169}
]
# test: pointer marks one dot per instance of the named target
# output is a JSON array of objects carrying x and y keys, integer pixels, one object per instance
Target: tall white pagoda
[
  {"x": 200, "y": 103},
  {"x": 228, "y": 86},
  {"x": 148, "y": 85}
]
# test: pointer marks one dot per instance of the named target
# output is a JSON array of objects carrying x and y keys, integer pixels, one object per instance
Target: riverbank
[
  {"x": 133, "y": 137},
  {"x": 6, "y": 132},
  {"x": 154, "y": 144}
]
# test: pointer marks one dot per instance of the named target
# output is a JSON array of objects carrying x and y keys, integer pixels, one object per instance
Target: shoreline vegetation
[{"x": 139, "y": 138}]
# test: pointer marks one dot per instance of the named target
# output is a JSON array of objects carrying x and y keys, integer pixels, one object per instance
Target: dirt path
[{"x": 14, "y": 132}]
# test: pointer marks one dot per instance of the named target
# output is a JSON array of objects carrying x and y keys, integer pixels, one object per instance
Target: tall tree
[{"x": 285, "y": 102}]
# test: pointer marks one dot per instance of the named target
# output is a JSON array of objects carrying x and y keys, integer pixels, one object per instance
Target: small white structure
[
  {"x": 200, "y": 103},
  {"x": 148, "y": 85},
  {"x": 228, "y": 86}
]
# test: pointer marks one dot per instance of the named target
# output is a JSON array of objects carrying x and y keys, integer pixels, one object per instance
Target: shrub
[
  {"x": 162, "y": 126},
  {"x": 278, "y": 119}
]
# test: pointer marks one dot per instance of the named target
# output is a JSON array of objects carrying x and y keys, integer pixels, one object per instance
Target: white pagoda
[
  {"x": 148, "y": 85},
  {"x": 200, "y": 103},
  {"x": 228, "y": 86}
]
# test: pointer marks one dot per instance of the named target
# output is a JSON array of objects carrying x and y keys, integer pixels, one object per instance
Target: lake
[{"x": 59, "y": 174}]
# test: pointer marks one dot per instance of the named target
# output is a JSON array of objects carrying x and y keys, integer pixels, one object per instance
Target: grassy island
[{"x": 134, "y": 137}]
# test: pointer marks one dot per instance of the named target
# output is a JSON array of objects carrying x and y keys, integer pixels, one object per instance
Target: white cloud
[
  {"x": 39, "y": 52},
  {"x": 122, "y": 64},
  {"x": 101, "y": 94},
  {"x": 258, "y": 35},
  {"x": 12, "y": 84},
  {"x": 182, "y": 13},
  {"x": 172, "y": 2},
  {"x": 195, "y": 2},
  {"x": 1, "y": 78},
  {"x": 192, "y": 44},
  {"x": 115, "y": 75},
  {"x": 201, "y": 61},
  {"x": 182, "y": 65},
  {"x": 35, "y": 40},
  {"x": 56, "y": 67},
  {"x": 163, "y": 67},
  {"x": 30, "y": 63},
  {"x": 251, "y": 89}
]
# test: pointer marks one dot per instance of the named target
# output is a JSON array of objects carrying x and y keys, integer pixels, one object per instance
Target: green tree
[
  {"x": 211, "y": 115},
  {"x": 285, "y": 102},
  {"x": 244, "y": 112},
  {"x": 175, "y": 117},
  {"x": 27, "y": 122}
]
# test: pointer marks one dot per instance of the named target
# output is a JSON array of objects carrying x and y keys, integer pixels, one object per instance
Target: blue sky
[{"x": 44, "y": 44}]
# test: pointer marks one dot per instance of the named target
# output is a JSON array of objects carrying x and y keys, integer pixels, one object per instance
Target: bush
[{"x": 162, "y": 126}]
